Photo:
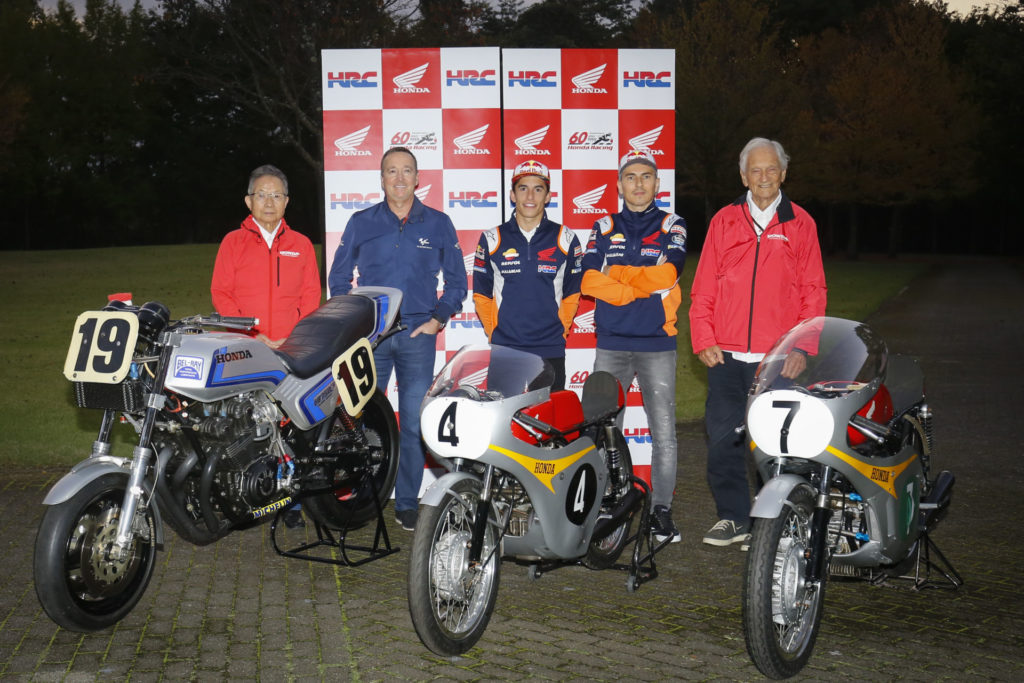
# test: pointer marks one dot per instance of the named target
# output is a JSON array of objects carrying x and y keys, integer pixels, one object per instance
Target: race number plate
[
  {"x": 356, "y": 376},
  {"x": 790, "y": 423},
  {"x": 101, "y": 347}
]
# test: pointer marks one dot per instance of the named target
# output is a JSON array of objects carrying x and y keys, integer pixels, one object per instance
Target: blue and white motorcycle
[{"x": 229, "y": 432}]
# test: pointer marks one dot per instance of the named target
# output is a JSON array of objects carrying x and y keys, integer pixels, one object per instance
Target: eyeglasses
[{"x": 264, "y": 196}]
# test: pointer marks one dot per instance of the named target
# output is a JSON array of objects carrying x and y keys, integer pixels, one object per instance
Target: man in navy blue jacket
[
  {"x": 403, "y": 244},
  {"x": 526, "y": 274},
  {"x": 631, "y": 266}
]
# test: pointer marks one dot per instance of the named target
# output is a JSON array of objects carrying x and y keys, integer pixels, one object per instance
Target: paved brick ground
[{"x": 237, "y": 611}]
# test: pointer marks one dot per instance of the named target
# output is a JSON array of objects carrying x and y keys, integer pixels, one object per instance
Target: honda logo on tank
[
  {"x": 589, "y": 79},
  {"x": 411, "y": 79},
  {"x": 472, "y": 138},
  {"x": 352, "y": 140},
  {"x": 470, "y": 78},
  {"x": 531, "y": 79},
  {"x": 351, "y": 80}
]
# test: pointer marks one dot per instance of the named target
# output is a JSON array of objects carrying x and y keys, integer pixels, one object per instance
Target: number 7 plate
[{"x": 101, "y": 347}]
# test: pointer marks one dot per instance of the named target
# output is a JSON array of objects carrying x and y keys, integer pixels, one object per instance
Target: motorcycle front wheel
[
  {"x": 80, "y": 586},
  {"x": 450, "y": 599},
  {"x": 603, "y": 553},
  {"x": 353, "y": 504},
  {"x": 781, "y": 611}
]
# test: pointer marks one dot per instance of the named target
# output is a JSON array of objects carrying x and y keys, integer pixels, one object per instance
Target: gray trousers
[{"x": 656, "y": 374}]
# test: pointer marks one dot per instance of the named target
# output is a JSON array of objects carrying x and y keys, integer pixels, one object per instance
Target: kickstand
[{"x": 325, "y": 537}]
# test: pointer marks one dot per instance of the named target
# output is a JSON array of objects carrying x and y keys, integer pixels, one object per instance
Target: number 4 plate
[
  {"x": 101, "y": 347},
  {"x": 356, "y": 376}
]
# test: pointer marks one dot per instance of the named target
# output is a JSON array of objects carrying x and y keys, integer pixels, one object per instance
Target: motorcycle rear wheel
[
  {"x": 781, "y": 613},
  {"x": 450, "y": 602},
  {"x": 353, "y": 505},
  {"x": 604, "y": 553},
  {"x": 79, "y": 586}
]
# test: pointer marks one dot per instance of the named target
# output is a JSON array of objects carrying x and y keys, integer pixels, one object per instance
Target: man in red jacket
[
  {"x": 265, "y": 269},
  {"x": 759, "y": 274}
]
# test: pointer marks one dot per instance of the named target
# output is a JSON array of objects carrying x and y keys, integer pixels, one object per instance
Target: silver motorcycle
[
  {"x": 536, "y": 476},
  {"x": 229, "y": 433},
  {"x": 842, "y": 437}
]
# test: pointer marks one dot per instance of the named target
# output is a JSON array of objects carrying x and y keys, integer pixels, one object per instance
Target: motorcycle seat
[{"x": 323, "y": 335}]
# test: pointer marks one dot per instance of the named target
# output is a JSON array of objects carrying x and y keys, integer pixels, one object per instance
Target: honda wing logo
[
  {"x": 348, "y": 145},
  {"x": 584, "y": 83},
  {"x": 422, "y": 192},
  {"x": 584, "y": 324},
  {"x": 645, "y": 140},
  {"x": 467, "y": 142},
  {"x": 527, "y": 144},
  {"x": 406, "y": 83},
  {"x": 585, "y": 202}
]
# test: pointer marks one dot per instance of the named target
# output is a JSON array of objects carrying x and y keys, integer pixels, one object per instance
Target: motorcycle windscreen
[{"x": 497, "y": 371}]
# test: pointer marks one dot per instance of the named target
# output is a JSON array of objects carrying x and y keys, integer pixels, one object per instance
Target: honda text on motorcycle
[
  {"x": 842, "y": 438},
  {"x": 230, "y": 432},
  {"x": 534, "y": 475}
]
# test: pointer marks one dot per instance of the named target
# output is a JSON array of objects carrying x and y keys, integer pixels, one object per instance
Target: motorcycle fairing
[{"x": 307, "y": 402}]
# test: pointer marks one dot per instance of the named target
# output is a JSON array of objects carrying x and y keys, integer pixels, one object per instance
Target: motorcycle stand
[
  {"x": 924, "y": 565},
  {"x": 641, "y": 568},
  {"x": 325, "y": 537}
]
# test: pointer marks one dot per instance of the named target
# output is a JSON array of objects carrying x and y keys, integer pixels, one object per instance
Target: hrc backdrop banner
[{"x": 470, "y": 115}]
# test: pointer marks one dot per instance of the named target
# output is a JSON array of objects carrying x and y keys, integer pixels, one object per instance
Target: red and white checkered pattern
[{"x": 470, "y": 115}]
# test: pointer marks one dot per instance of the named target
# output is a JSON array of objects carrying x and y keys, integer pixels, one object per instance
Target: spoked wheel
[
  {"x": 352, "y": 504},
  {"x": 79, "y": 584},
  {"x": 781, "y": 611},
  {"x": 451, "y": 600},
  {"x": 604, "y": 552}
]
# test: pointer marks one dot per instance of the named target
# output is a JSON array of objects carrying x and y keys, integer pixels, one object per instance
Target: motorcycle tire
[
  {"x": 451, "y": 602},
  {"x": 781, "y": 614},
  {"x": 77, "y": 584},
  {"x": 603, "y": 553},
  {"x": 353, "y": 505}
]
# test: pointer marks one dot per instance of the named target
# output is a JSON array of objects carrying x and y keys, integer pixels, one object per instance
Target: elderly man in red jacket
[
  {"x": 264, "y": 269},
  {"x": 759, "y": 274}
]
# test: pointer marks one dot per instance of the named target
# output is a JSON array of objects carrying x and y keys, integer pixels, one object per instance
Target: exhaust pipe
[{"x": 626, "y": 507}]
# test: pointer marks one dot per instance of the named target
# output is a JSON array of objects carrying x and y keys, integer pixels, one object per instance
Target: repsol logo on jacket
[{"x": 232, "y": 355}]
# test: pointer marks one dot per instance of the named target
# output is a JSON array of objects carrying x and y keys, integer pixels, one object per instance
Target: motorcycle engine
[{"x": 236, "y": 434}]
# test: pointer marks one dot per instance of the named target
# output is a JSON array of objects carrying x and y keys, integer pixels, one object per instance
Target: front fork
[
  {"x": 142, "y": 455},
  {"x": 483, "y": 505},
  {"x": 817, "y": 552}
]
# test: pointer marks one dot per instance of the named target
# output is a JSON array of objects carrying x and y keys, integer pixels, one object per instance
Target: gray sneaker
[{"x": 726, "y": 532}]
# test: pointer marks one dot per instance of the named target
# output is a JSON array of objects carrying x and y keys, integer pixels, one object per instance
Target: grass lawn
[{"x": 44, "y": 291}]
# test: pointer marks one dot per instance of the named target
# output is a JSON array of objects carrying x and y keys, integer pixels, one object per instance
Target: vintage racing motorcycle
[
  {"x": 229, "y": 431},
  {"x": 534, "y": 475},
  {"x": 842, "y": 437}
]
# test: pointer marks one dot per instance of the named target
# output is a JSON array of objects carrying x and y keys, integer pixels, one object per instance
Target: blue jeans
[
  {"x": 656, "y": 373},
  {"x": 412, "y": 359},
  {"x": 724, "y": 410}
]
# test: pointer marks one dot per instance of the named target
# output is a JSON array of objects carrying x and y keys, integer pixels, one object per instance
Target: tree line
[{"x": 133, "y": 126}]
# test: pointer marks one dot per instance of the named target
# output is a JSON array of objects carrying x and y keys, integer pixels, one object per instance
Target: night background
[{"x": 139, "y": 125}]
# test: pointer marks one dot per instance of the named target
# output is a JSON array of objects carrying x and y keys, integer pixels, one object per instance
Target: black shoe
[
  {"x": 293, "y": 519},
  {"x": 406, "y": 518},
  {"x": 727, "y": 532},
  {"x": 662, "y": 526}
]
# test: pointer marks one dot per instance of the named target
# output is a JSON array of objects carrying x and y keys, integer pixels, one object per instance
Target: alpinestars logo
[
  {"x": 584, "y": 324},
  {"x": 585, "y": 202},
  {"x": 348, "y": 145},
  {"x": 645, "y": 140},
  {"x": 584, "y": 83},
  {"x": 467, "y": 142},
  {"x": 422, "y": 192},
  {"x": 527, "y": 144},
  {"x": 406, "y": 83}
]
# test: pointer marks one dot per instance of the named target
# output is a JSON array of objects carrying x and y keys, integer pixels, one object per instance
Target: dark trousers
[{"x": 724, "y": 410}]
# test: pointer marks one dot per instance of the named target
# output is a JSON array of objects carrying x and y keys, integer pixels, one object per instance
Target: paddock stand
[
  {"x": 928, "y": 559},
  {"x": 641, "y": 567},
  {"x": 326, "y": 537}
]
